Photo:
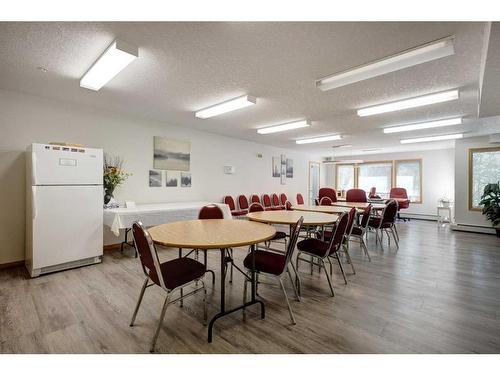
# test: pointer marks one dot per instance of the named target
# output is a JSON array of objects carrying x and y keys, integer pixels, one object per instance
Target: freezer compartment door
[
  {"x": 67, "y": 224},
  {"x": 58, "y": 165}
]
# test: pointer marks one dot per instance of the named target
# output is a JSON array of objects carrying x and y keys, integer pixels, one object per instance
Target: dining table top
[
  {"x": 323, "y": 209},
  {"x": 360, "y": 205},
  {"x": 211, "y": 233},
  {"x": 291, "y": 217}
]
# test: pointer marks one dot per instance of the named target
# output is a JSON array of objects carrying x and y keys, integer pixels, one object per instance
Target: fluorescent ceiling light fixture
[
  {"x": 319, "y": 139},
  {"x": 371, "y": 149},
  {"x": 116, "y": 57},
  {"x": 433, "y": 138},
  {"x": 424, "y": 125},
  {"x": 415, "y": 56},
  {"x": 227, "y": 106},
  {"x": 346, "y": 161},
  {"x": 284, "y": 127},
  {"x": 418, "y": 101},
  {"x": 341, "y": 146}
]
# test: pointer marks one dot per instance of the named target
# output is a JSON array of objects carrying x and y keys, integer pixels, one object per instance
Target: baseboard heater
[
  {"x": 472, "y": 228},
  {"x": 65, "y": 266}
]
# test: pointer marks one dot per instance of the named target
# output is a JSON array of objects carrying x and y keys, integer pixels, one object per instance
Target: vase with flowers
[{"x": 113, "y": 176}]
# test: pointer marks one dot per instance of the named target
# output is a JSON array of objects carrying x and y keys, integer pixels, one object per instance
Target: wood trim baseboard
[{"x": 12, "y": 264}]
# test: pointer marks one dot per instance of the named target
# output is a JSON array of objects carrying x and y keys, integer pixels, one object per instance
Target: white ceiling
[{"x": 184, "y": 67}]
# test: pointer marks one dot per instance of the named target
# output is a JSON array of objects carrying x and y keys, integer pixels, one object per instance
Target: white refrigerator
[{"x": 64, "y": 201}]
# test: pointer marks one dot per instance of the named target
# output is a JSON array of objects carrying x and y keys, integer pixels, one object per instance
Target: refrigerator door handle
[
  {"x": 33, "y": 168},
  {"x": 33, "y": 202}
]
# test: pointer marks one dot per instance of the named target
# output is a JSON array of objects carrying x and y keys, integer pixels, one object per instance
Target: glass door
[{"x": 314, "y": 169}]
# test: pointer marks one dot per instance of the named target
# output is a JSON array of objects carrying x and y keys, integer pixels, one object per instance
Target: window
[
  {"x": 345, "y": 177},
  {"x": 375, "y": 174},
  {"x": 484, "y": 168},
  {"x": 409, "y": 176}
]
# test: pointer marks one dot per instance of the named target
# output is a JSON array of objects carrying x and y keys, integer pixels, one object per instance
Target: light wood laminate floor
[{"x": 440, "y": 293}]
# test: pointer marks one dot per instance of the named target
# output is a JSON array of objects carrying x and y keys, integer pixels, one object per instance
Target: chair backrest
[
  {"x": 390, "y": 212},
  {"x": 366, "y": 216},
  {"x": 210, "y": 211},
  {"x": 243, "y": 202},
  {"x": 350, "y": 223},
  {"x": 266, "y": 201},
  {"x": 398, "y": 193},
  {"x": 288, "y": 206},
  {"x": 338, "y": 236},
  {"x": 147, "y": 254},
  {"x": 230, "y": 202},
  {"x": 283, "y": 199},
  {"x": 325, "y": 201},
  {"x": 294, "y": 236},
  {"x": 275, "y": 200},
  {"x": 356, "y": 195},
  {"x": 254, "y": 198},
  {"x": 328, "y": 192},
  {"x": 300, "y": 199},
  {"x": 255, "y": 207}
]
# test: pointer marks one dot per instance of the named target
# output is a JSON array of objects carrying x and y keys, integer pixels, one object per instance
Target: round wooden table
[
  {"x": 291, "y": 217},
  {"x": 219, "y": 234},
  {"x": 360, "y": 205}
]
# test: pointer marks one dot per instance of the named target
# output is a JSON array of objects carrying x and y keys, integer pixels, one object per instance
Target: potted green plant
[
  {"x": 491, "y": 205},
  {"x": 113, "y": 176}
]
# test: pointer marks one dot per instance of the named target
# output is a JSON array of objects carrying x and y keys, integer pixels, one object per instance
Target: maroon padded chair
[
  {"x": 325, "y": 201},
  {"x": 276, "y": 202},
  {"x": 327, "y": 192},
  {"x": 402, "y": 198},
  {"x": 232, "y": 206},
  {"x": 212, "y": 211},
  {"x": 171, "y": 276},
  {"x": 283, "y": 199},
  {"x": 356, "y": 195},
  {"x": 373, "y": 194},
  {"x": 243, "y": 203},
  {"x": 257, "y": 207},
  {"x": 266, "y": 202},
  {"x": 386, "y": 222},
  {"x": 275, "y": 265},
  {"x": 300, "y": 199},
  {"x": 324, "y": 250},
  {"x": 288, "y": 206},
  {"x": 254, "y": 198}
]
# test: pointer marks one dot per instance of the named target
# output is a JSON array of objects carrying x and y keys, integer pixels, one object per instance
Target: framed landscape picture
[
  {"x": 171, "y": 154},
  {"x": 276, "y": 166},
  {"x": 289, "y": 168}
]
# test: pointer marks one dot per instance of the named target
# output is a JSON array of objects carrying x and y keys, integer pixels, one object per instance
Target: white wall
[
  {"x": 463, "y": 215},
  {"x": 25, "y": 119},
  {"x": 437, "y": 176}
]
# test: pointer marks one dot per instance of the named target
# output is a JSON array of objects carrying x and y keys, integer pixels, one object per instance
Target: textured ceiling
[
  {"x": 490, "y": 93},
  {"x": 187, "y": 66}
]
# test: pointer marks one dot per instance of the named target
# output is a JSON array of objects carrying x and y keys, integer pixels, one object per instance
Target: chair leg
[
  {"x": 331, "y": 265},
  {"x": 162, "y": 316},
  {"x": 328, "y": 278},
  {"x": 293, "y": 284},
  {"x": 341, "y": 266},
  {"x": 396, "y": 230},
  {"x": 348, "y": 256},
  {"x": 297, "y": 277},
  {"x": 232, "y": 266},
  {"x": 143, "y": 289},
  {"x": 312, "y": 265},
  {"x": 292, "y": 318},
  {"x": 365, "y": 248},
  {"x": 395, "y": 239},
  {"x": 205, "y": 312}
]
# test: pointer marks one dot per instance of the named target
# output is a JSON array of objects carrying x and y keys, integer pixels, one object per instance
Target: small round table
[
  {"x": 359, "y": 205},
  {"x": 219, "y": 234},
  {"x": 324, "y": 209},
  {"x": 291, "y": 217}
]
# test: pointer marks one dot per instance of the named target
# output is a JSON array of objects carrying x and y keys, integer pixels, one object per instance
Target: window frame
[
  {"x": 473, "y": 151},
  {"x": 391, "y": 162},
  {"x": 396, "y": 162},
  {"x": 354, "y": 168}
]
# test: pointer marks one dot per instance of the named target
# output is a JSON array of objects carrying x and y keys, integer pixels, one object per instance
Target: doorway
[{"x": 314, "y": 171}]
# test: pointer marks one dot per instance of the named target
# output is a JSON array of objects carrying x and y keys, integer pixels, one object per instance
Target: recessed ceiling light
[
  {"x": 42, "y": 69},
  {"x": 227, "y": 106},
  {"x": 341, "y": 146},
  {"x": 433, "y": 138},
  {"x": 116, "y": 57},
  {"x": 424, "y": 125},
  {"x": 284, "y": 127},
  {"x": 327, "y": 138},
  {"x": 415, "y": 56},
  {"x": 418, "y": 101}
]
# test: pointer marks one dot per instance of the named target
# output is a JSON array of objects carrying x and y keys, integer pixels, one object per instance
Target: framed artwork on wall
[
  {"x": 289, "y": 168},
  {"x": 276, "y": 166},
  {"x": 171, "y": 179},
  {"x": 171, "y": 154},
  {"x": 283, "y": 174},
  {"x": 185, "y": 179},
  {"x": 155, "y": 179}
]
